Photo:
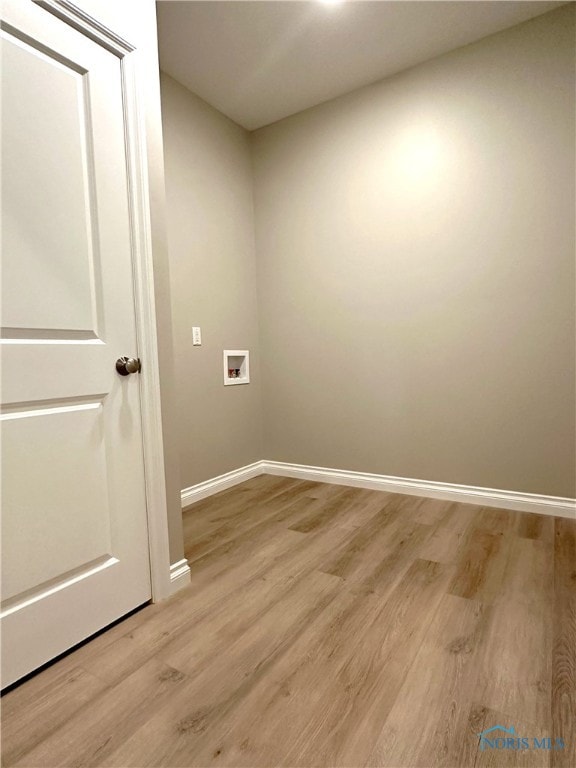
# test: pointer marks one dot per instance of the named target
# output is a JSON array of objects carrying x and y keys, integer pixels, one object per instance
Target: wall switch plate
[{"x": 196, "y": 336}]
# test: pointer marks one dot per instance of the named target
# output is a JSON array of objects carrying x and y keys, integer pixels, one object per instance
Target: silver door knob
[{"x": 128, "y": 365}]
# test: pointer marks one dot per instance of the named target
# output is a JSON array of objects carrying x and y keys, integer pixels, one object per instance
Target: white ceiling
[{"x": 261, "y": 60}]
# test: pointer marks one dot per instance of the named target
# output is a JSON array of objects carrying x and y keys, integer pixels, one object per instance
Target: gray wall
[
  {"x": 415, "y": 246},
  {"x": 213, "y": 283}
]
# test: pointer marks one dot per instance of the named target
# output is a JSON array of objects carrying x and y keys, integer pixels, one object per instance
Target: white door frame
[{"x": 142, "y": 265}]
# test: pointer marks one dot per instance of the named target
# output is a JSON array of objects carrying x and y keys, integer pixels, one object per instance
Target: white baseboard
[
  {"x": 467, "y": 494},
  {"x": 179, "y": 575},
  {"x": 220, "y": 483}
]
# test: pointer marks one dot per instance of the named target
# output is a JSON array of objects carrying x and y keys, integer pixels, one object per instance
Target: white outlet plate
[{"x": 196, "y": 336}]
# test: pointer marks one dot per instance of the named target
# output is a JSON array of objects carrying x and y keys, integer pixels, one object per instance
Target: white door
[{"x": 75, "y": 553}]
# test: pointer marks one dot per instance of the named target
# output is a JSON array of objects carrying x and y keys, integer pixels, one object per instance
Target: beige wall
[
  {"x": 415, "y": 244},
  {"x": 213, "y": 283}
]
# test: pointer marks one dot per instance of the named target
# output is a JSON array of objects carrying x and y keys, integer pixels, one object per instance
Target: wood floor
[{"x": 326, "y": 626}]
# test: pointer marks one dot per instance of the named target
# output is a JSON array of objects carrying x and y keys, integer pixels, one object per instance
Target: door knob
[{"x": 127, "y": 365}]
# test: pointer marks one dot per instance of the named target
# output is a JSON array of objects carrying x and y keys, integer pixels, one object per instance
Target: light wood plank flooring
[{"x": 326, "y": 626}]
